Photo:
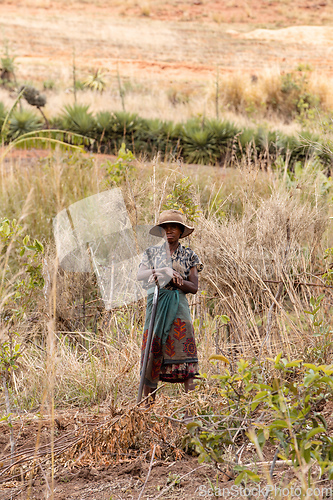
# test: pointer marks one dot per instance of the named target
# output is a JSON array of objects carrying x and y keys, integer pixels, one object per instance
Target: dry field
[
  {"x": 157, "y": 47},
  {"x": 160, "y": 47}
]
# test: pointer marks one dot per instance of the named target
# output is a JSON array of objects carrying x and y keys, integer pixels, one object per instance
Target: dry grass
[
  {"x": 259, "y": 230},
  {"x": 243, "y": 98},
  {"x": 253, "y": 227}
]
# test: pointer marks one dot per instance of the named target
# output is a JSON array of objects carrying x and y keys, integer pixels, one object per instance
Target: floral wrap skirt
[{"x": 176, "y": 360}]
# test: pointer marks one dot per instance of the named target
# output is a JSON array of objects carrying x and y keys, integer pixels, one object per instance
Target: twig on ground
[
  {"x": 178, "y": 479},
  {"x": 149, "y": 471},
  {"x": 62, "y": 447},
  {"x": 44, "y": 475}
]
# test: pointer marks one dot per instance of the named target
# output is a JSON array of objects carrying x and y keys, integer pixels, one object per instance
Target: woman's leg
[
  {"x": 189, "y": 384},
  {"x": 146, "y": 391}
]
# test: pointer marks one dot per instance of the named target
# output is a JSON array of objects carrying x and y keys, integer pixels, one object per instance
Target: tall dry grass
[
  {"x": 261, "y": 236},
  {"x": 243, "y": 98}
]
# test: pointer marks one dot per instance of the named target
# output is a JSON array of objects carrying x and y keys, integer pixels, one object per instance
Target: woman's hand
[
  {"x": 163, "y": 274},
  {"x": 177, "y": 279}
]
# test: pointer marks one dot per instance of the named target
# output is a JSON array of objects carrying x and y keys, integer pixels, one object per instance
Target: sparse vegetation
[
  {"x": 264, "y": 233},
  {"x": 263, "y": 314}
]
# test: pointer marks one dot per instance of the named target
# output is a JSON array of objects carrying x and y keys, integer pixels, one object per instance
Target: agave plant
[
  {"x": 267, "y": 142},
  {"x": 7, "y": 67},
  {"x": 124, "y": 128},
  {"x": 78, "y": 119},
  {"x": 246, "y": 139},
  {"x": 96, "y": 81},
  {"x": 104, "y": 121},
  {"x": 223, "y": 133},
  {"x": 22, "y": 122},
  {"x": 150, "y": 136},
  {"x": 199, "y": 146},
  {"x": 125, "y": 123},
  {"x": 198, "y": 143},
  {"x": 2, "y": 114}
]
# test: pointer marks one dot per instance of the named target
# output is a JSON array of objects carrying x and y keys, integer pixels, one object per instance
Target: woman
[{"x": 173, "y": 354}]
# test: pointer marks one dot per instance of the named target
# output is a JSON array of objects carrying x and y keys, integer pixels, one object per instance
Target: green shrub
[{"x": 288, "y": 395}]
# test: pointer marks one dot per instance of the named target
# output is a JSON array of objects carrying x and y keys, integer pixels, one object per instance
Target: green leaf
[
  {"x": 258, "y": 398},
  {"x": 219, "y": 357},
  {"x": 26, "y": 240},
  {"x": 39, "y": 246},
  {"x": 224, "y": 319},
  {"x": 278, "y": 357},
  {"x": 193, "y": 425},
  {"x": 297, "y": 362},
  {"x": 322, "y": 419},
  {"x": 307, "y": 455},
  {"x": 313, "y": 432},
  {"x": 311, "y": 377},
  {"x": 239, "y": 478},
  {"x": 278, "y": 424},
  {"x": 252, "y": 475},
  {"x": 203, "y": 457}
]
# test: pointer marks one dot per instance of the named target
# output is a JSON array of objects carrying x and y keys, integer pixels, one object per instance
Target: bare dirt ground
[
  {"x": 107, "y": 455},
  {"x": 93, "y": 474},
  {"x": 165, "y": 41}
]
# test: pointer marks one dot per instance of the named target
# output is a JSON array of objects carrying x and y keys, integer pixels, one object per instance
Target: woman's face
[{"x": 172, "y": 232}]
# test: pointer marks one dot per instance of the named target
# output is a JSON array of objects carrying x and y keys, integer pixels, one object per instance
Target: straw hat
[{"x": 171, "y": 217}]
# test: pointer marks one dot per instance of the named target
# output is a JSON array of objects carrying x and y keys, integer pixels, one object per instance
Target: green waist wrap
[{"x": 166, "y": 313}]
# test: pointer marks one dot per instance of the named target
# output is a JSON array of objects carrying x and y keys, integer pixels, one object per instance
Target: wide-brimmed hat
[{"x": 171, "y": 217}]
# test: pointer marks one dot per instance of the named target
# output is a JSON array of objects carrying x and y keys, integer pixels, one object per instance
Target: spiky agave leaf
[
  {"x": 125, "y": 123},
  {"x": 48, "y": 138},
  {"x": 199, "y": 147},
  {"x": 149, "y": 136},
  {"x": 78, "y": 119},
  {"x": 223, "y": 133},
  {"x": 104, "y": 121},
  {"x": 22, "y": 122},
  {"x": 4, "y": 127},
  {"x": 3, "y": 114}
]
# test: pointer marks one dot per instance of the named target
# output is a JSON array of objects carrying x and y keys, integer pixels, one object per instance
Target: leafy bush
[{"x": 289, "y": 396}]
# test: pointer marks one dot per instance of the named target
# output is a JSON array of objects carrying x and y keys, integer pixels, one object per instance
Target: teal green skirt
[{"x": 172, "y": 357}]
